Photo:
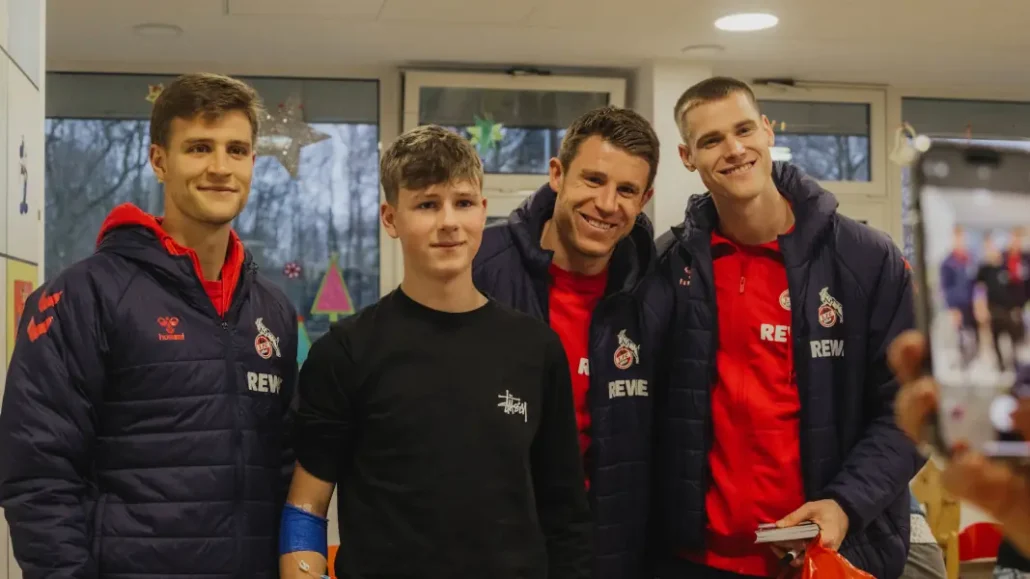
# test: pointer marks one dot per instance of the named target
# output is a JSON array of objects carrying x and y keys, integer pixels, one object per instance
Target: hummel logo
[{"x": 36, "y": 330}]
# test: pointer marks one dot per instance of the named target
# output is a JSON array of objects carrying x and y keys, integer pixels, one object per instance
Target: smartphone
[{"x": 971, "y": 224}]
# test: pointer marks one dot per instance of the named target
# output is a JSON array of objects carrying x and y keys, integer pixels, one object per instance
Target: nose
[
  {"x": 448, "y": 217},
  {"x": 219, "y": 163},
  {"x": 734, "y": 147},
  {"x": 607, "y": 200}
]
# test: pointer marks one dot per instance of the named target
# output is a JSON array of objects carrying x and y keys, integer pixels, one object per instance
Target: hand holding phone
[{"x": 971, "y": 221}]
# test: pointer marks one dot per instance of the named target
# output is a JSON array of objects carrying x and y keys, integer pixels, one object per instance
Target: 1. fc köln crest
[
  {"x": 266, "y": 343},
  {"x": 831, "y": 312},
  {"x": 627, "y": 353}
]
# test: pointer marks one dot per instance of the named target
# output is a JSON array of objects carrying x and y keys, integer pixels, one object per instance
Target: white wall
[{"x": 22, "y": 25}]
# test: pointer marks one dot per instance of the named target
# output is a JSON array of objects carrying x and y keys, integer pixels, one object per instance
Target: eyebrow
[
  {"x": 197, "y": 141},
  {"x": 595, "y": 173},
  {"x": 739, "y": 125}
]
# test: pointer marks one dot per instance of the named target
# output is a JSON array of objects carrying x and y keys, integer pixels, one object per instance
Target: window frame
[
  {"x": 500, "y": 185},
  {"x": 876, "y": 100}
]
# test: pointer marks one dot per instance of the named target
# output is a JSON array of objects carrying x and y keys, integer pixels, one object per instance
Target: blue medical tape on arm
[{"x": 300, "y": 530}]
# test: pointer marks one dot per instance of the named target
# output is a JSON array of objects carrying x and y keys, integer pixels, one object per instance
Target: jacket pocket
[{"x": 98, "y": 525}]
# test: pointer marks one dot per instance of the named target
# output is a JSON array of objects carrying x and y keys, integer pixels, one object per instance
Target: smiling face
[
  {"x": 727, "y": 141},
  {"x": 206, "y": 168},
  {"x": 600, "y": 195},
  {"x": 440, "y": 227}
]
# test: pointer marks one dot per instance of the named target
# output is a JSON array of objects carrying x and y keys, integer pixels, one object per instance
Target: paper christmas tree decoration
[
  {"x": 303, "y": 341},
  {"x": 333, "y": 299},
  {"x": 485, "y": 134}
]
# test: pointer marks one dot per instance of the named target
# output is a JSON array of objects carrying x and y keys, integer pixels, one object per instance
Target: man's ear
[
  {"x": 556, "y": 174},
  {"x": 387, "y": 215},
  {"x": 767, "y": 128},
  {"x": 686, "y": 158},
  {"x": 646, "y": 196},
  {"x": 158, "y": 162}
]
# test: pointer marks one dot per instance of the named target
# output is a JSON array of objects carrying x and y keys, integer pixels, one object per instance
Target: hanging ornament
[
  {"x": 284, "y": 133},
  {"x": 292, "y": 270},
  {"x": 154, "y": 91},
  {"x": 485, "y": 134},
  {"x": 333, "y": 298}
]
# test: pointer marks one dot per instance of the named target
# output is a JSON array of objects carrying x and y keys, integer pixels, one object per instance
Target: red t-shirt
[
  {"x": 571, "y": 304},
  {"x": 755, "y": 459}
]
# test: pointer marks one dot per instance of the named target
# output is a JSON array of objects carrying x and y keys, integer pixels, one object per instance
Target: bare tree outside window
[{"x": 95, "y": 164}]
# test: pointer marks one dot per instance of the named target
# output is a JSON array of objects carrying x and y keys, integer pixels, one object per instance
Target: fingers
[
  {"x": 914, "y": 403},
  {"x": 988, "y": 484},
  {"x": 803, "y": 513},
  {"x": 905, "y": 355}
]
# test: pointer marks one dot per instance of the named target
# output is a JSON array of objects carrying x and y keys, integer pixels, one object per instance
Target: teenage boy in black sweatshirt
[{"x": 444, "y": 418}]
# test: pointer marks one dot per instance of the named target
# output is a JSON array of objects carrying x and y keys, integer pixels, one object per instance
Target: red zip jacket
[{"x": 755, "y": 459}]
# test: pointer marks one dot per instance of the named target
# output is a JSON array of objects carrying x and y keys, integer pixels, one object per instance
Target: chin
[{"x": 594, "y": 249}]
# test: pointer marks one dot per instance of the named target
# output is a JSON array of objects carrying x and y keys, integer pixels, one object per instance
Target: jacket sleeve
[
  {"x": 558, "y": 479},
  {"x": 883, "y": 462},
  {"x": 289, "y": 398},
  {"x": 47, "y": 430}
]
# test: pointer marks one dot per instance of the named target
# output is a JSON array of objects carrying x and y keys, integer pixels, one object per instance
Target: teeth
[
  {"x": 739, "y": 169},
  {"x": 598, "y": 224}
]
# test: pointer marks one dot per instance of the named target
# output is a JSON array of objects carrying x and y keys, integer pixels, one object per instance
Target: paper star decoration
[
  {"x": 485, "y": 134},
  {"x": 154, "y": 91},
  {"x": 284, "y": 133}
]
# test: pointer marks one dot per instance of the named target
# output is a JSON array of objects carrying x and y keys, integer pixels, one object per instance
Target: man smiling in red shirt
[{"x": 575, "y": 254}]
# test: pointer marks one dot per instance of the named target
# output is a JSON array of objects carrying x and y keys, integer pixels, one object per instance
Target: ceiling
[{"x": 897, "y": 42}]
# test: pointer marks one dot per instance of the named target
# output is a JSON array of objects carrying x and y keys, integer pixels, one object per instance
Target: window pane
[
  {"x": 949, "y": 118},
  {"x": 830, "y": 141},
  {"x": 294, "y": 227},
  {"x": 517, "y": 131}
]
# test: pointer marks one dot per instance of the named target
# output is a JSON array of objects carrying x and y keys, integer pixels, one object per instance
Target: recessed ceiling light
[
  {"x": 155, "y": 29},
  {"x": 746, "y": 22},
  {"x": 698, "y": 50}
]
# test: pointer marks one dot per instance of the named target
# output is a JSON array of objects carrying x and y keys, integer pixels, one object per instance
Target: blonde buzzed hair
[{"x": 425, "y": 156}]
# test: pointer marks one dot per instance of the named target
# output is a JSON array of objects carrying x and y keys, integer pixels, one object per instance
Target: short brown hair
[
  {"x": 202, "y": 93},
  {"x": 623, "y": 128},
  {"x": 708, "y": 90},
  {"x": 425, "y": 156}
]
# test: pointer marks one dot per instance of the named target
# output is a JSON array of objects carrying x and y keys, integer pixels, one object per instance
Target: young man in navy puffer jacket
[{"x": 143, "y": 423}]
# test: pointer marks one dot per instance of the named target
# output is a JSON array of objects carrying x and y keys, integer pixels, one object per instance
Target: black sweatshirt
[{"x": 452, "y": 439}]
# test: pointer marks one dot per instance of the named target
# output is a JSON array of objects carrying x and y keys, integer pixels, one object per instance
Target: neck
[
  {"x": 209, "y": 242},
  {"x": 453, "y": 295},
  {"x": 755, "y": 221},
  {"x": 570, "y": 260}
]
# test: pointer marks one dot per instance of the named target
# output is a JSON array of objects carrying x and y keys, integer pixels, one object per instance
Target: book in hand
[{"x": 768, "y": 533}]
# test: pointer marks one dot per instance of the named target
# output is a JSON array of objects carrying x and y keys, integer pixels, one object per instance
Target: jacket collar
[
  {"x": 814, "y": 209},
  {"x": 633, "y": 256}
]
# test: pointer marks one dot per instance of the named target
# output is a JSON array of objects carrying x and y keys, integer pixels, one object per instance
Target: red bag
[{"x": 822, "y": 563}]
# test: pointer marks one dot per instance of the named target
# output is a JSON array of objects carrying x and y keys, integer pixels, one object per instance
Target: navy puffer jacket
[
  {"x": 512, "y": 268},
  {"x": 142, "y": 434},
  {"x": 851, "y": 449}
]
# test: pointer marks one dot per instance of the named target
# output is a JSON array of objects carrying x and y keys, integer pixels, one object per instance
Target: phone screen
[{"x": 977, "y": 271}]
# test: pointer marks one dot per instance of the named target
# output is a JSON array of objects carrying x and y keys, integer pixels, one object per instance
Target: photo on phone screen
[{"x": 975, "y": 248}]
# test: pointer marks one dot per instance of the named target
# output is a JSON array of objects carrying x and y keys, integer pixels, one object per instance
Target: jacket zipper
[{"x": 237, "y": 431}]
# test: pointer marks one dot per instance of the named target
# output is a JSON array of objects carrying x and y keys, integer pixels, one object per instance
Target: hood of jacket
[
  {"x": 814, "y": 210},
  {"x": 633, "y": 257}
]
